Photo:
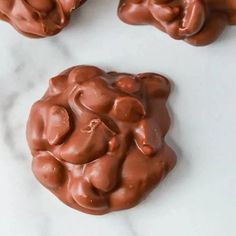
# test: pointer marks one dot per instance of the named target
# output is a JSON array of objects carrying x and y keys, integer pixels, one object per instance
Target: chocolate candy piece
[
  {"x": 38, "y": 18},
  {"x": 198, "y": 22},
  {"x": 97, "y": 138}
]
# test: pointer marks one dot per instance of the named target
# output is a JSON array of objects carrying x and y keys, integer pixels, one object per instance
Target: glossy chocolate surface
[
  {"x": 98, "y": 139},
  {"x": 38, "y": 18},
  {"x": 198, "y": 22}
]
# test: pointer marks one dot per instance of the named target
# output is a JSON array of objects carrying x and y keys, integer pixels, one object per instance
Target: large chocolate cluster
[
  {"x": 38, "y": 18},
  {"x": 199, "y": 22},
  {"x": 98, "y": 139}
]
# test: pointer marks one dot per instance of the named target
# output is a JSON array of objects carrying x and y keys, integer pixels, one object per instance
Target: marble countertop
[{"x": 197, "y": 199}]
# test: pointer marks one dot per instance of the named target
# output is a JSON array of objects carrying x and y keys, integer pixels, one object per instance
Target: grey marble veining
[{"x": 198, "y": 198}]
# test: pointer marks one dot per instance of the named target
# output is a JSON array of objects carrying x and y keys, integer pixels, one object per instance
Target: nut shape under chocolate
[
  {"x": 97, "y": 138},
  {"x": 38, "y": 18},
  {"x": 198, "y": 22}
]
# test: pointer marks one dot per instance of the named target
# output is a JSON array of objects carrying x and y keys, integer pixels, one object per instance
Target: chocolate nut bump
[
  {"x": 38, "y": 18},
  {"x": 98, "y": 139},
  {"x": 198, "y": 22}
]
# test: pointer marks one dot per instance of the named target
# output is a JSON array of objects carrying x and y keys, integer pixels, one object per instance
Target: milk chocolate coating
[
  {"x": 198, "y": 22},
  {"x": 38, "y": 18},
  {"x": 97, "y": 138}
]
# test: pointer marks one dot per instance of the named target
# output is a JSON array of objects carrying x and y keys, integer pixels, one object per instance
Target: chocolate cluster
[
  {"x": 38, "y": 18},
  {"x": 198, "y": 22},
  {"x": 98, "y": 139}
]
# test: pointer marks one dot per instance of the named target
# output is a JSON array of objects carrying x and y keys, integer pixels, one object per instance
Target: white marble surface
[{"x": 197, "y": 199}]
